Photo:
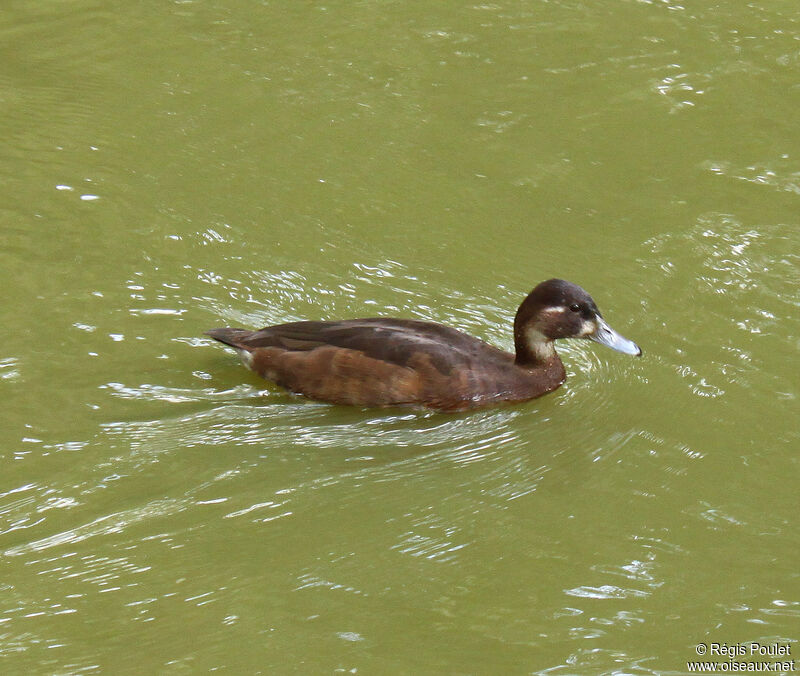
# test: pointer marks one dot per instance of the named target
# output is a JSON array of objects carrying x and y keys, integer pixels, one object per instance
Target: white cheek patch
[{"x": 587, "y": 329}]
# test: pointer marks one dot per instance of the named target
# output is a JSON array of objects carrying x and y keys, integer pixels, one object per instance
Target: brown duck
[{"x": 392, "y": 362}]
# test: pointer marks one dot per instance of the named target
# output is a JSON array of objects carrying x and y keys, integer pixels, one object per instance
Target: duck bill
[{"x": 605, "y": 335}]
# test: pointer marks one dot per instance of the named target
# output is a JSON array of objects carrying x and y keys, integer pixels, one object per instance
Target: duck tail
[{"x": 230, "y": 336}]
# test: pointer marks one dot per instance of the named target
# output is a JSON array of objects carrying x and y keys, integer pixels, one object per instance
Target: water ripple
[{"x": 740, "y": 319}]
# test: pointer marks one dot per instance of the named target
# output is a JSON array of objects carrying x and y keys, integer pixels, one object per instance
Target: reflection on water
[
  {"x": 738, "y": 287},
  {"x": 9, "y": 368},
  {"x": 777, "y": 175}
]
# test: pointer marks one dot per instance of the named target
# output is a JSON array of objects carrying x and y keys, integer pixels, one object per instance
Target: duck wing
[{"x": 393, "y": 341}]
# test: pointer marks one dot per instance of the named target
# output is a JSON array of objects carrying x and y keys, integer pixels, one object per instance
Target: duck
[{"x": 381, "y": 362}]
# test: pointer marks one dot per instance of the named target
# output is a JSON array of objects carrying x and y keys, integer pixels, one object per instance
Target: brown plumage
[{"x": 392, "y": 362}]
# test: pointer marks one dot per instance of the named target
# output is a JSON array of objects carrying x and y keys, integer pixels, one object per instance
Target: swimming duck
[{"x": 392, "y": 362}]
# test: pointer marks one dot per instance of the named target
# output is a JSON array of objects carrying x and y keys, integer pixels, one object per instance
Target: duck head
[{"x": 559, "y": 309}]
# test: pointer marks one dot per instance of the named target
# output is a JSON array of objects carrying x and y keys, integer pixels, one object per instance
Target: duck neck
[{"x": 534, "y": 350}]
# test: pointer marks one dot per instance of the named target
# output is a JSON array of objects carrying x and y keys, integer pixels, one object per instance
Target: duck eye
[{"x": 575, "y": 307}]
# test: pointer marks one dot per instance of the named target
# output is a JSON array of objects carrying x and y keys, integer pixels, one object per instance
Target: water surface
[{"x": 169, "y": 167}]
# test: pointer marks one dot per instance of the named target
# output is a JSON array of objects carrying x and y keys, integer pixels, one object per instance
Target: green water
[{"x": 168, "y": 167}]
